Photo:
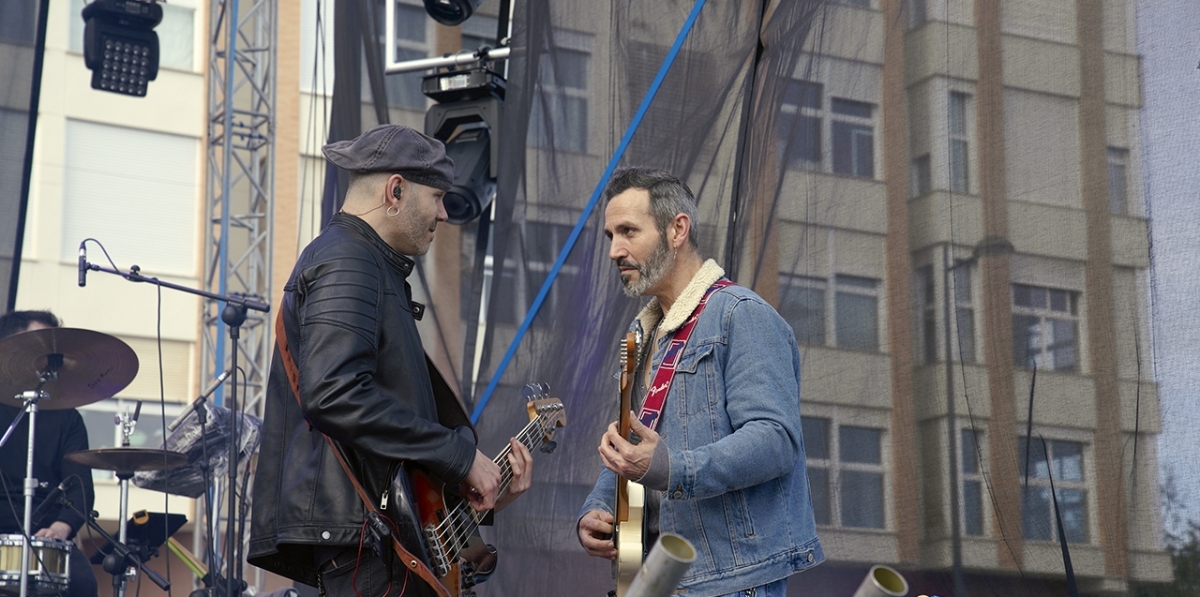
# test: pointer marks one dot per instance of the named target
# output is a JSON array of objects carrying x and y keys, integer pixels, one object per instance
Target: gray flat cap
[{"x": 394, "y": 148}]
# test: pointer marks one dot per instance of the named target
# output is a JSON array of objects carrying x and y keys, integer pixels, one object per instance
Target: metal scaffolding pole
[{"x": 239, "y": 207}]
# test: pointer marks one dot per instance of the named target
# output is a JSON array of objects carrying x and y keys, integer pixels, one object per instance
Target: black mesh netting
[{"x": 903, "y": 180}]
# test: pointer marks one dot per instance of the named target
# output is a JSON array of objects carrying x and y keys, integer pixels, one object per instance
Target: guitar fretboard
[{"x": 453, "y": 532}]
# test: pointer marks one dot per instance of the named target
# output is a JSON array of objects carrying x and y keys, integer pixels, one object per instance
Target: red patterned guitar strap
[{"x": 665, "y": 374}]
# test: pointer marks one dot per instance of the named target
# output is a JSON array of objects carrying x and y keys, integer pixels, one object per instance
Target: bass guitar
[
  {"x": 631, "y": 496},
  {"x": 440, "y": 527}
]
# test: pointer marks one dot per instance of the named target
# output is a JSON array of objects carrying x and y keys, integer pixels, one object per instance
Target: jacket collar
[
  {"x": 686, "y": 303},
  {"x": 399, "y": 261}
]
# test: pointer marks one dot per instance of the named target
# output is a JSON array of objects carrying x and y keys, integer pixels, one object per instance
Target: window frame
[
  {"x": 834, "y": 465},
  {"x": 554, "y": 95},
  {"x": 831, "y": 334},
  {"x": 1048, "y": 347},
  {"x": 1061, "y": 485},
  {"x": 830, "y": 121},
  {"x": 977, "y": 460},
  {"x": 958, "y": 144},
  {"x": 929, "y": 287},
  {"x": 1118, "y": 161}
]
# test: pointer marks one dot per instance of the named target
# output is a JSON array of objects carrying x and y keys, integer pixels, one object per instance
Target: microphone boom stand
[{"x": 233, "y": 315}]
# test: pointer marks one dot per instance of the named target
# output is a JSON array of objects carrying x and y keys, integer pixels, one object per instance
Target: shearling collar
[{"x": 684, "y": 305}]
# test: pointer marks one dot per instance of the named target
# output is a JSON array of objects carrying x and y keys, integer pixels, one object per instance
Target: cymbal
[
  {"x": 128, "y": 460},
  {"x": 94, "y": 366}
]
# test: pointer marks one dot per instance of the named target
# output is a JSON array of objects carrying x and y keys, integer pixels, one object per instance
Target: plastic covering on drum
[{"x": 204, "y": 446}]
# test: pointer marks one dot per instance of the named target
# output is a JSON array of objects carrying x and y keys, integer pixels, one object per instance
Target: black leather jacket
[{"x": 365, "y": 381}]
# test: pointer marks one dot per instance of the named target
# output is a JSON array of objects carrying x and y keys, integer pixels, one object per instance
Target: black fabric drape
[{"x": 22, "y": 50}]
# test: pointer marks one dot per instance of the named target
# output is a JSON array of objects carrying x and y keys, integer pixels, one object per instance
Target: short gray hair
[{"x": 669, "y": 196}]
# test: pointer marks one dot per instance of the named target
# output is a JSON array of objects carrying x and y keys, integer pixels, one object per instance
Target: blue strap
[{"x": 587, "y": 211}]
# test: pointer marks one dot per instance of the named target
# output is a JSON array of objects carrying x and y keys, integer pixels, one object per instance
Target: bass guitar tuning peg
[{"x": 549, "y": 447}]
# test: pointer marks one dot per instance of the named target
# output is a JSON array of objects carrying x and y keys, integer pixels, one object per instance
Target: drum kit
[{"x": 54, "y": 369}]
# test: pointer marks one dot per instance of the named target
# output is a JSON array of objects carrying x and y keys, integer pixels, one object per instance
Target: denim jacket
[{"x": 738, "y": 487}]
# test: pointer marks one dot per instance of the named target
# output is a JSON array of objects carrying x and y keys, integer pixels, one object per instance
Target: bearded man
[{"x": 720, "y": 455}]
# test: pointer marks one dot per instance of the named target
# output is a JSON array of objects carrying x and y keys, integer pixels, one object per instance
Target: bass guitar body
[{"x": 629, "y": 539}]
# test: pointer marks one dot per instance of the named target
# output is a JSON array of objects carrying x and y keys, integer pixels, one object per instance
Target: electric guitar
[
  {"x": 440, "y": 527},
  {"x": 631, "y": 497}
]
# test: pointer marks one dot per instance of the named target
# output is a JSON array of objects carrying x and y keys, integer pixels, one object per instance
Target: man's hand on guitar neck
[
  {"x": 482, "y": 483},
  {"x": 629, "y": 460},
  {"x": 521, "y": 463}
]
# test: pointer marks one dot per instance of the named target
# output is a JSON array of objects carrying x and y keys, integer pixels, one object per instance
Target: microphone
[
  {"x": 196, "y": 403},
  {"x": 52, "y": 499},
  {"x": 83, "y": 264}
]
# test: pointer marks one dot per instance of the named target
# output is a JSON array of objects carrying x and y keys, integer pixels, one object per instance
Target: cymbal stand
[
  {"x": 127, "y": 423},
  {"x": 53, "y": 363}
]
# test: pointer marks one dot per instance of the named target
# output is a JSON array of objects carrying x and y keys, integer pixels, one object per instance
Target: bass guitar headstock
[{"x": 547, "y": 412}]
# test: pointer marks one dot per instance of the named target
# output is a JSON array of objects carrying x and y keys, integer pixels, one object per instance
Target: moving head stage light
[
  {"x": 467, "y": 119},
  {"x": 120, "y": 46},
  {"x": 451, "y": 12}
]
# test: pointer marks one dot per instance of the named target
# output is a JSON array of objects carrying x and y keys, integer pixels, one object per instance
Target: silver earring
[{"x": 396, "y": 213}]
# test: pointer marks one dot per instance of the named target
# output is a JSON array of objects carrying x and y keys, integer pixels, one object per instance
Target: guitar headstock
[
  {"x": 628, "y": 354},
  {"x": 547, "y": 412}
]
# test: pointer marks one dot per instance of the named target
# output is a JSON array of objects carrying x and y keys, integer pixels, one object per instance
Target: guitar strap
[
  {"x": 665, "y": 374},
  {"x": 293, "y": 374}
]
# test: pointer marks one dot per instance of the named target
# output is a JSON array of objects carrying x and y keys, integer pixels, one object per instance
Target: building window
[
  {"x": 1037, "y": 512},
  {"x": 856, "y": 303},
  {"x": 960, "y": 181},
  {"x": 964, "y": 314},
  {"x": 921, "y": 176},
  {"x": 560, "y": 104},
  {"x": 851, "y": 131},
  {"x": 800, "y": 123},
  {"x": 102, "y": 186},
  {"x": 20, "y": 23},
  {"x": 849, "y": 308},
  {"x": 853, "y": 138},
  {"x": 970, "y": 458},
  {"x": 917, "y": 13},
  {"x": 929, "y": 302},
  {"x": 1045, "y": 327},
  {"x": 412, "y": 41},
  {"x": 845, "y": 473},
  {"x": 1118, "y": 185},
  {"x": 803, "y": 306}
]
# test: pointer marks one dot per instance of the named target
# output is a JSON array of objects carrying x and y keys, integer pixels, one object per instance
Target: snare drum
[{"x": 48, "y": 564}]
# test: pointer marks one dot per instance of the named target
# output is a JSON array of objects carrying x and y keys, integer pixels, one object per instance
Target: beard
[{"x": 649, "y": 274}]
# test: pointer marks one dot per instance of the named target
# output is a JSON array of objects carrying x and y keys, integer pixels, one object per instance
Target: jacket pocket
[
  {"x": 696, "y": 383},
  {"x": 692, "y": 356}
]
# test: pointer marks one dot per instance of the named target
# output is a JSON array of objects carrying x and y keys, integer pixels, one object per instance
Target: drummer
[{"x": 59, "y": 432}]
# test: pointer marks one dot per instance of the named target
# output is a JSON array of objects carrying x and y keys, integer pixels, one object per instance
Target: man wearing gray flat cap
[{"x": 349, "y": 365}]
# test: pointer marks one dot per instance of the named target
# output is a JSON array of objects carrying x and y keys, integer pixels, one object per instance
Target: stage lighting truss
[
  {"x": 467, "y": 120},
  {"x": 120, "y": 46}
]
